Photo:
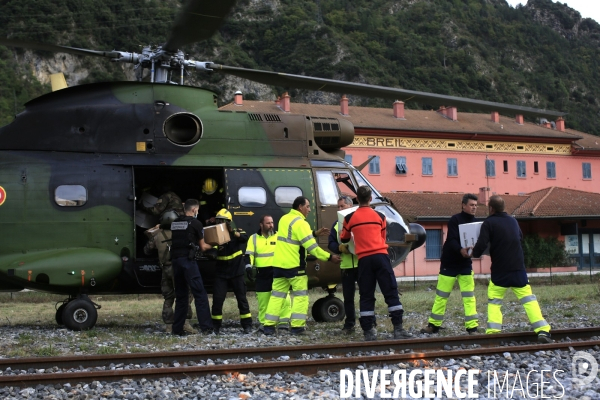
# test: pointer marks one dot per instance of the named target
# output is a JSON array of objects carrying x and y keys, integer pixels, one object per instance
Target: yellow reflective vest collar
[
  {"x": 294, "y": 240},
  {"x": 261, "y": 250}
]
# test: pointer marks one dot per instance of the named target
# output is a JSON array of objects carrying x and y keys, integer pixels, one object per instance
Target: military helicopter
[{"x": 75, "y": 162}]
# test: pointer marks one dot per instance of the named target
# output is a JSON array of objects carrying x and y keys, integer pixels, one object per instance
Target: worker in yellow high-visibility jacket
[
  {"x": 259, "y": 258},
  {"x": 294, "y": 240}
]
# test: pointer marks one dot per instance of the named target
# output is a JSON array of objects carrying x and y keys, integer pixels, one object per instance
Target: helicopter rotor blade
[
  {"x": 362, "y": 89},
  {"x": 28, "y": 44},
  {"x": 198, "y": 20}
]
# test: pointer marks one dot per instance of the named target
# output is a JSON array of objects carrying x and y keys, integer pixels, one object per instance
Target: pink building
[{"x": 445, "y": 152}]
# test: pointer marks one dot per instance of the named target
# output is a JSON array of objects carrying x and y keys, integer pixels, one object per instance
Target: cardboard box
[
  {"x": 216, "y": 234},
  {"x": 152, "y": 231},
  {"x": 341, "y": 215},
  {"x": 469, "y": 233}
]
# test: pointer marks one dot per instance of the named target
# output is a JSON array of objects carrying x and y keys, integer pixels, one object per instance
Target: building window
[
  {"x": 433, "y": 243},
  {"x": 550, "y": 169},
  {"x": 535, "y": 168},
  {"x": 401, "y": 166},
  {"x": 587, "y": 170},
  {"x": 490, "y": 168},
  {"x": 505, "y": 162},
  {"x": 521, "y": 171},
  {"x": 452, "y": 167},
  {"x": 427, "y": 166},
  {"x": 374, "y": 165},
  {"x": 348, "y": 158}
]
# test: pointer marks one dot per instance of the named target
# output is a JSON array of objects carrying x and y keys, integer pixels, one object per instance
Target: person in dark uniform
[
  {"x": 160, "y": 241},
  {"x": 187, "y": 239},
  {"x": 454, "y": 266},
  {"x": 369, "y": 229},
  {"x": 348, "y": 267},
  {"x": 501, "y": 231},
  {"x": 230, "y": 269}
]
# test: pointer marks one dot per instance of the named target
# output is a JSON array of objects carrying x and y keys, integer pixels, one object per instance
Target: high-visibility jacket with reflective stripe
[
  {"x": 261, "y": 250},
  {"x": 294, "y": 240}
]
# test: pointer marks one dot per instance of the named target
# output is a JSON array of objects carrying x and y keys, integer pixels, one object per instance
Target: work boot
[
  {"x": 269, "y": 330},
  {"x": 371, "y": 335},
  {"x": 348, "y": 330},
  {"x": 247, "y": 330},
  {"x": 430, "y": 329},
  {"x": 298, "y": 331},
  {"x": 207, "y": 331},
  {"x": 283, "y": 330},
  {"x": 473, "y": 331},
  {"x": 188, "y": 328},
  {"x": 544, "y": 337},
  {"x": 401, "y": 333}
]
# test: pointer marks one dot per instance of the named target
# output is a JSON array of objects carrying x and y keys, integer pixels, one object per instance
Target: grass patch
[{"x": 133, "y": 323}]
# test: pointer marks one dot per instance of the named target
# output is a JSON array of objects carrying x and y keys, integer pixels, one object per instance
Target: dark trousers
[
  {"x": 372, "y": 270},
  {"x": 349, "y": 279},
  {"x": 186, "y": 273},
  {"x": 219, "y": 294}
]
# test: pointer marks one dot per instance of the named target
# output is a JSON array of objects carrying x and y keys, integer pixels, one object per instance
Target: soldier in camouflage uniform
[
  {"x": 160, "y": 241},
  {"x": 168, "y": 201}
]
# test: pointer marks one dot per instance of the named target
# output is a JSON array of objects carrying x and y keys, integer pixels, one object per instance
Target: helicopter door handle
[{"x": 131, "y": 197}]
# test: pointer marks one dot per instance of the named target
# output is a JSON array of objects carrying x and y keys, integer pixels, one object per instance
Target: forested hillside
[{"x": 541, "y": 55}]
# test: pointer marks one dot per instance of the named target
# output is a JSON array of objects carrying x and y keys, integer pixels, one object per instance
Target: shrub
[{"x": 544, "y": 252}]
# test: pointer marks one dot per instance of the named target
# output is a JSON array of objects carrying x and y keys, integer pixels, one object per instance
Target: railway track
[{"x": 288, "y": 359}]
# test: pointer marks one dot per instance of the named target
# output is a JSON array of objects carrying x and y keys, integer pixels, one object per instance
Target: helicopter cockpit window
[
  {"x": 328, "y": 192},
  {"x": 250, "y": 196},
  {"x": 70, "y": 195},
  {"x": 360, "y": 179},
  {"x": 345, "y": 184},
  {"x": 285, "y": 195}
]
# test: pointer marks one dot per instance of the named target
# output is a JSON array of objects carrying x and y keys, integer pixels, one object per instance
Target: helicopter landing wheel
[
  {"x": 332, "y": 309},
  {"x": 317, "y": 309},
  {"x": 59, "y": 314},
  {"x": 79, "y": 315}
]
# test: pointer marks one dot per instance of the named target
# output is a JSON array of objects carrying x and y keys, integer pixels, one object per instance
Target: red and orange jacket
[{"x": 368, "y": 227}]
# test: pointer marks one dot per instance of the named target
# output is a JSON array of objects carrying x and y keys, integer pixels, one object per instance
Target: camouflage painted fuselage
[{"x": 110, "y": 139}]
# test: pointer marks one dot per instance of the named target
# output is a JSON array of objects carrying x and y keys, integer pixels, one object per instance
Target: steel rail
[
  {"x": 337, "y": 349},
  {"x": 307, "y": 367}
]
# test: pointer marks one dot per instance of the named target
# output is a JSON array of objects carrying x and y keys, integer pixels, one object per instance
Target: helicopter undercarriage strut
[
  {"x": 77, "y": 313},
  {"x": 328, "y": 309}
]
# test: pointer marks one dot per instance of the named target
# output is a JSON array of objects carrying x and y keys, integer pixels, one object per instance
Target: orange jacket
[{"x": 368, "y": 228}]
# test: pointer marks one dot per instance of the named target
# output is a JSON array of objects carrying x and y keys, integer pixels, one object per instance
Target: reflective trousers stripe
[
  {"x": 300, "y": 293},
  {"x": 263, "y": 301},
  {"x": 437, "y": 317},
  {"x": 216, "y": 316},
  {"x": 395, "y": 308},
  {"x": 528, "y": 301},
  {"x": 249, "y": 315},
  {"x": 299, "y": 309},
  {"x": 278, "y": 294},
  {"x": 444, "y": 287},
  {"x": 367, "y": 313}
]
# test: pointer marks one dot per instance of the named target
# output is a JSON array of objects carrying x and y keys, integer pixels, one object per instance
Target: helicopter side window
[
  {"x": 250, "y": 196},
  {"x": 285, "y": 195},
  {"x": 328, "y": 192},
  {"x": 70, "y": 195}
]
